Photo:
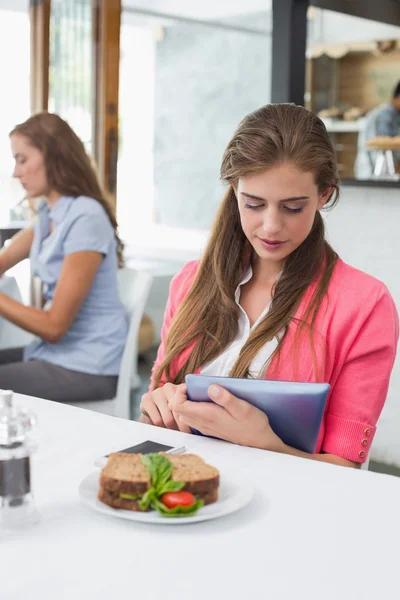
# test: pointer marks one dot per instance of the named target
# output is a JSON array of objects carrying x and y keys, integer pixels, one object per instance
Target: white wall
[
  {"x": 364, "y": 230},
  {"x": 206, "y": 80}
]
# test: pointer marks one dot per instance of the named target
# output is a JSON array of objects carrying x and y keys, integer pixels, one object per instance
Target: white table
[
  {"x": 12, "y": 336},
  {"x": 314, "y": 531},
  {"x": 162, "y": 243}
]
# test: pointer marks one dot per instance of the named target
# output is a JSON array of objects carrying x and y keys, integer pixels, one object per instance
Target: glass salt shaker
[{"x": 17, "y": 507}]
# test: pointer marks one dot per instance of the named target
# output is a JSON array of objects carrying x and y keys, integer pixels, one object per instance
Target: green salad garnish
[{"x": 160, "y": 470}]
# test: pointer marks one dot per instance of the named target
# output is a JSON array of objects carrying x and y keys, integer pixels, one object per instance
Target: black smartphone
[
  {"x": 143, "y": 448},
  {"x": 146, "y": 448}
]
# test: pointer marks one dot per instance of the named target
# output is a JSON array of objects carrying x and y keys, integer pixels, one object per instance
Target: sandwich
[{"x": 175, "y": 485}]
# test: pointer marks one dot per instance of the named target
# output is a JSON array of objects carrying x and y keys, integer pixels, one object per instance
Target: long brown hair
[
  {"x": 208, "y": 315},
  {"x": 69, "y": 169}
]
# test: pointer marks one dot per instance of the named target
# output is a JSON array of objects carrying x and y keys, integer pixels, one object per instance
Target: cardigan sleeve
[{"x": 359, "y": 393}]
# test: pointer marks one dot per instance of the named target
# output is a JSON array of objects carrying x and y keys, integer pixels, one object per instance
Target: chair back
[{"x": 134, "y": 287}]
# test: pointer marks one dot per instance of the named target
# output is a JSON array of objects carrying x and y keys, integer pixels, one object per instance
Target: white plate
[{"x": 233, "y": 495}]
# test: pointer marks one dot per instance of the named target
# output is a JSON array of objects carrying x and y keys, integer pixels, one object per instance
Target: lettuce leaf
[{"x": 160, "y": 470}]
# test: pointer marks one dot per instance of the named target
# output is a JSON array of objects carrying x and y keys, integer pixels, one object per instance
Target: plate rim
[{"x": 246, "y": 493}]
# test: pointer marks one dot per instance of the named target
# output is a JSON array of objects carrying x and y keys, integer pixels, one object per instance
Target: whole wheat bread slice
[
  {"x": 125, "y": 473},
  {"x": 199, "y": 477}
]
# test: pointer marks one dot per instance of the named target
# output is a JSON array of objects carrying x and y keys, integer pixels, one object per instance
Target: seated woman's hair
[{"x": 69, "y": 169}]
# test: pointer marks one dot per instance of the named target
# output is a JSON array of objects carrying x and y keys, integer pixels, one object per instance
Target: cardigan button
[
  {"x": 364, "y": 442},
  {"x": 367, "y": 431},
  {"x": 361, "y": 454}
]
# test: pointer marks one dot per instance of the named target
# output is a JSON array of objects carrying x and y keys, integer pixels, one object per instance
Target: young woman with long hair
[
  {"x": 80, "y": 324},
  {"x": 271, "y": 298}
]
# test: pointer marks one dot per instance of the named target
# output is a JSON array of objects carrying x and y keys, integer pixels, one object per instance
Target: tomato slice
[{"x": 172, "y": 499}]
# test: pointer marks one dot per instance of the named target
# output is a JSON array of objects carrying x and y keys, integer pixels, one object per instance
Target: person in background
[
  {"x": 80, "y": 326},
  {"x": 383, "y": 121},
  {"x": 271, "y": 299}
]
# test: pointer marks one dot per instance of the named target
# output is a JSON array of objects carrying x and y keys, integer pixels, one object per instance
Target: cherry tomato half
[{"x": 172, "y": 499}]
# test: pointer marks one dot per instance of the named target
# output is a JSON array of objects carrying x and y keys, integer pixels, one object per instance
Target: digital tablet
[{"x": 294, "y": 410}]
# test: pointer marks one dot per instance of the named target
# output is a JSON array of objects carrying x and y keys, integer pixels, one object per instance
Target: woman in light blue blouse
[{"x": 75, "y": 251}]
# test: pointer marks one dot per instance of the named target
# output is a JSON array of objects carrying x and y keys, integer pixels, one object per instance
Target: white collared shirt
[{"x": 223, "y": 364}]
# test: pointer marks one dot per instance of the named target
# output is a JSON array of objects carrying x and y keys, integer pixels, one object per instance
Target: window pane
[
  {"x": 184, "y": 87},
  {"x": 72, "y": 65},
  {"x": 15, "y": 98}
]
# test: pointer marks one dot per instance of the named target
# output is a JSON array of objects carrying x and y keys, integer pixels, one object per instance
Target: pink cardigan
[{"x": 356, "y": 335}]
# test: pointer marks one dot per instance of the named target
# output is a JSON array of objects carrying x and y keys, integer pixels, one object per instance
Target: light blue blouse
[{"x": 95, "y": 341}]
